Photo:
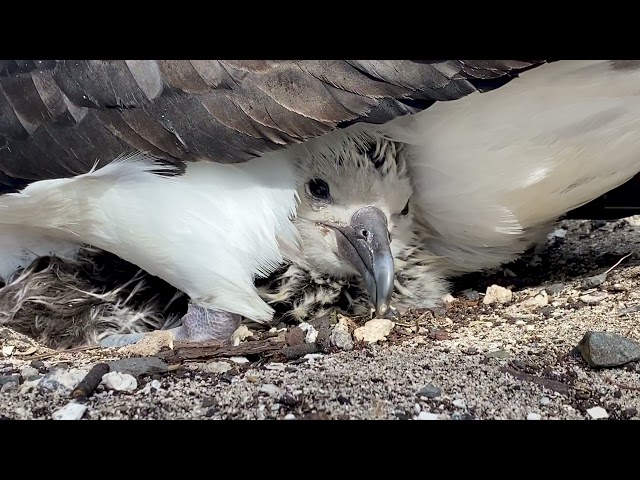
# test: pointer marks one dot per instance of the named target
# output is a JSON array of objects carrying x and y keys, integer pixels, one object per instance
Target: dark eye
[
  {"x": 405, "y": 210},
  {"x": 319, "y": 188}
]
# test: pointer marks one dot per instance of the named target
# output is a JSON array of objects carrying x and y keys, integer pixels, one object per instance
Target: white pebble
[
  {"x": 313, "y": 356},
  {"x": 312, "y": 335},
  {"x": 241, "y": 333},
  {"x": 275, "y": 366},
  {"x": 29, "y": 372},
  {"x": 417, "y": 408},
  {"x": 534, "y": 416},
  {"x": 155, "y": 384},
  {"x": 459, "y": 403},
  {"x": 239, "y": 359},
  {"x": 122, "y": 382},
  {"x": 496, "y": 293},
  {"x": 545, "y": 401},
  {"x": 275, "y": 407},
  {"x": 270, "y": 389},
  {"x": 374, "y": 330},
  {"x": 427, "y": 416},
  {"x": 289, "y": 416},
  {"x": 597, "y": 413},
  {"x": 71, "y": 411}
]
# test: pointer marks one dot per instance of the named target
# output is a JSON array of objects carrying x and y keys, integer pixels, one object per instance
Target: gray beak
[{"x": 365, "y": 243}]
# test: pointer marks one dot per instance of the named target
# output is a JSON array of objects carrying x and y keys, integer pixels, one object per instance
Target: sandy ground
[{"x": 507, "y": 361}]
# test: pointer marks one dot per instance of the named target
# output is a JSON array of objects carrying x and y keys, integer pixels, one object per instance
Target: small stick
[
  {"x": 622, "y": 386},
  {"x": 61, "y": 352},
  {"x": 91, "y": 381},
  {"x": 618, "y": 263}
]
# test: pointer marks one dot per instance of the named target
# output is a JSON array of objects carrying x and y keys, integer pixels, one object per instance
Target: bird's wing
[
  {"x": 59, "y": 117},
  {"x": 491, "y": 170}
]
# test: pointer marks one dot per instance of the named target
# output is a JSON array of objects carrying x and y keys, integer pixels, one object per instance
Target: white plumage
[{"x": 209, "y": 232}]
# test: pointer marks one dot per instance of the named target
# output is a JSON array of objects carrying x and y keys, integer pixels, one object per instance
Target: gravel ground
[{"x": 515, "y": 360}]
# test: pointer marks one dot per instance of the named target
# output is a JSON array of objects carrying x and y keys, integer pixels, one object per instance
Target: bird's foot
[{"x": 198, "y": 325}]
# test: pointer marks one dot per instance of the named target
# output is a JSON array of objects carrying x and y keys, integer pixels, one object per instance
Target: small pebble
[
  {"x": 545, "y": 401},
  {"x": 39, "y": 364},
  {"x": 71, "y": 411},
  {"x": 470, "y": 294},
  {"x": 496, "y": 293},
  {"x": 592, "y": 282},
  {"x": 417, "y": 408},
  {"x": 534, "y": 416},
  {"x": 4, "y": 379},
  {"x": 239, "y": 360},
  {"x": 270, "y": 389},
  {"x": 275, "y": 407},
  {"x": 592, "y": 299},
  {"x": 427, "y": 416},
  {"x": 340, "y": 336},
  {"x": 28, "y": 372},
  {"x": 430, "y": 391},
  {"x": 459, "y": 403},
  {"x": 555, "y": 289},
  {"x": 122, "y": 382},
  {"x": 374, "y": 330},
  {"x": 289, "y": 416},
  {"x": 597, "y": 413},
  {"x": 313, "y": 356}
]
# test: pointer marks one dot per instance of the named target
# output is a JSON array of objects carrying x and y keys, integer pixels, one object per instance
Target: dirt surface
[{"x": 468, "y": 361}]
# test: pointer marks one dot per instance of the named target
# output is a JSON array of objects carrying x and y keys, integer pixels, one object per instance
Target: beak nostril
[{"x": 365, "y": 234}]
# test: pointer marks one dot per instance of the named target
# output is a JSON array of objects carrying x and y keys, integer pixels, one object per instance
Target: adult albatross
[{"x": 394, "y": 173}]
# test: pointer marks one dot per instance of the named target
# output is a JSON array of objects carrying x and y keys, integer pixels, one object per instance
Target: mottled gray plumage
[{"x": 59, "y": 117}]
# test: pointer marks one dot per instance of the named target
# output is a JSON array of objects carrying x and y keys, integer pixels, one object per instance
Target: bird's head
[{"x": 354, "y": 197}]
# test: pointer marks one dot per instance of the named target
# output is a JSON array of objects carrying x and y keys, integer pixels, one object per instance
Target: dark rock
[
  {"x": 323, "y": 326},
  {"x": 289, "y": 400},
  {"x": 430, "y": 391},
  {"x": 470, "y": 294},
  {"x": 617, "y": 394},
  {"x": 605, "y": 349},
  {"x": 210, "y": 413},
  {"x": 344, "y": 400},
  {"x": 295, "y": 336},
  {"x": 9, "y": 379},
  {"x": 555, "y": 289},
  {"x": 596, "y": 224},
  {"x": 38, "y": 365},
  {"x": 139, "y": 366},
  {"x": 629, "y": 413},
  {"x": 592, "y": 282},
  {"x": 631, "y": 309},
  {"x": 317, "y": 416},
  {"x": 297, "y": 351},
  {"x": 226, "y": 377},
  {"x": 208, "y": 402},
  {"x": 402, "y": 415}
]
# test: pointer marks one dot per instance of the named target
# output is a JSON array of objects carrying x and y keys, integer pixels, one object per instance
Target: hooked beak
[{"x": 365, "y": 243}]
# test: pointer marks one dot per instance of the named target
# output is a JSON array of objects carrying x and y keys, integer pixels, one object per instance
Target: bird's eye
[
  {"x": 319, "y": 188},
  {"x": 405, "y": 210}
]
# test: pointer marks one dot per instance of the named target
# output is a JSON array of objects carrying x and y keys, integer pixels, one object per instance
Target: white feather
[
  {"x": 209, "y": 232},
  {"x": 492, "y": 170}
]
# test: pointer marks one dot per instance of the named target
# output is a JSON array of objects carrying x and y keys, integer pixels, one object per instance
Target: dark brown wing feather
[{"x": 58, "y": 117}]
